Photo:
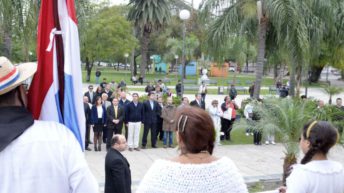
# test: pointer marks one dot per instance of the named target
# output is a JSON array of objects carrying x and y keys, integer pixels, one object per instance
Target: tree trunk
[
  {"x": 144, "y": 52},
  {"x": 289, "y": 160},
  {"x": 298, "y": 81},
  {"x": 275, "y": 72},
  {"x": 292, "y": 79},
  {"x": 88, "y": 69},
  {"x": 315, "y": 73},
  {"x": 261, "y": 55},
  {"x": 342, "y": 74},
  {"x": 132, "y": 63}
]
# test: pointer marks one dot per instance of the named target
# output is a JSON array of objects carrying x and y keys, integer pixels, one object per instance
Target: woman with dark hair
[
  {"x": 316, "y": 174},
  {"x": 195, "y": 170},
  {"x": 98, "y": 117},
  {"x": 226, "y": 121}
]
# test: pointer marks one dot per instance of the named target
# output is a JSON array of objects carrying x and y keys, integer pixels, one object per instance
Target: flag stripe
[{"x": 9, "y": 75}]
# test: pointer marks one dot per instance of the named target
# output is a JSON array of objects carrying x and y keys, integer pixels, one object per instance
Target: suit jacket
[
  {"x": 151, "y": 115},
  {"x": 134, "y": 113},
  {"x": 94, "y": 95},
  {"x": 87, "y": 111},
  {"x": 94, "y": 115},
  {"x": 110, "y": 115},
  {"x": 117, "y": 173},
  {"x": 194, "y": 103}
]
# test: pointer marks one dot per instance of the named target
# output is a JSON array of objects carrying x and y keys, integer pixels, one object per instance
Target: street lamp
[
  {"x": 176, "y": 57},
  {"x": 183, "y": 15},
  {"x": 126, "y": 55}
]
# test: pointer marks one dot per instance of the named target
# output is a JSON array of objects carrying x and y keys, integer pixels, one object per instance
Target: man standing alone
[
  {"x": 117, "y": 168},
  {"x": 134, "y": 118}
]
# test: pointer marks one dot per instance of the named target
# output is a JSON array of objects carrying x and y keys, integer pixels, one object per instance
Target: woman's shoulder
[{"x": 320, "y": 167}]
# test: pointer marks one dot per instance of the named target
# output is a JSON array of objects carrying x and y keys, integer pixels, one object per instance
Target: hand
[{"x": 282, "y": 189}]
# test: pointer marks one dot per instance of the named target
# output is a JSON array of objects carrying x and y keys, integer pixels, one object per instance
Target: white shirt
[
  {"x": 220, "y": 176},
  {"x": 100, "y": 111},
  {"x": 248, "y": 109},
  {"x": 323, "y": 176},
  {"x": 45, "y": 158},
  {"x": 215, "y": 114}
]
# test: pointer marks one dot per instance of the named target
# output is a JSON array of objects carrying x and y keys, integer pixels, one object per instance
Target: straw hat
[{"x": 12, "y": 76}]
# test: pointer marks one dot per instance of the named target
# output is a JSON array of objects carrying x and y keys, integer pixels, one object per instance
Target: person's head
[
  {"x": 108, "y": 87},
  {"x": 195, "y": 130},
  {"x": 339, "y": 102},
  {"x": 98, "y": 101},
  {"x": 90, "y": 88},
  {"x": 104, "y": 79},
  {"x": 232, "y": 85},
  {"x": 169, "y": 101},
  {"x": 198, "y": 96},
  {"x": 215, "y": 103},
  {"x": 119, "y": 142},
  {"x": 12, "y": 78},
  {"x": 135, "y": 97},
  {"x": 160, "y": 99},
  {"x": 317, "y": 138},
  {"x": 151, "y": 96},
  {"x": 157, "y": 88},
  {"x": 185, "y": 100},
  {"x": 123, "y": 95},
  {"x": 104, "y": 96},
  {"x": 321, "y": 103},
  {"x": 85, "y": 99},
  {"x": 115, "y": 102},
  {"x": 227, "y": 99},
  {"x": 99, "y": 89},
  {"x": 179, "y": 81}
]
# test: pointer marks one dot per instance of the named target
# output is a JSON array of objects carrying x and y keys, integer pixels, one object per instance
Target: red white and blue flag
[{"x": 56, "y": 90}]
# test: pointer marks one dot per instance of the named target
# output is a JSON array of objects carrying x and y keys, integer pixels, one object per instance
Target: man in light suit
[
  {"x": 117, "y": 168},
  {"x": 115, "y": 116}
]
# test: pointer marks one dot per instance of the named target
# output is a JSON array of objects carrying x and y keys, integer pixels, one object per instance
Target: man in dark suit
[
  {"x": 108, "y": 91},
  {"x": 198, "y": 101},
  {"x": 90, "y": 94},
  {"x": 117, "y": 168},
  {"x": 87, "y": 110},
  {"x": 150, "y": 121},
  {"x": 114, "y": 117},
  {"x": 123, "y": 102}
]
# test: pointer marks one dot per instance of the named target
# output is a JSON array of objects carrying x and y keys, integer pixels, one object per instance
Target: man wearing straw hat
[{"x": 35, "y": 156}]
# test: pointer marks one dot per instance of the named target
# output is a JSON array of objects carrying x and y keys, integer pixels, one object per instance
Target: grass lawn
[{"x": 111, "y": 74}]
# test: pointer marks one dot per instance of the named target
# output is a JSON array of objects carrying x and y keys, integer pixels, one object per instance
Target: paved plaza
[{"x": 254, "y": 162}]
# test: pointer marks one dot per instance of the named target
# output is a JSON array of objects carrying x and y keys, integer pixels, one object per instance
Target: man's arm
[{"x": 118, "y": 176}]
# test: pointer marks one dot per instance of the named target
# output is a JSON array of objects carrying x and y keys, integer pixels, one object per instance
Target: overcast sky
[{"x": 116, "y": 2}]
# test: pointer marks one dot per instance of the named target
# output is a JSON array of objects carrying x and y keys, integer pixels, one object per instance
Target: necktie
[
  {"x": 116, "y": 112},
  {"x": 91, "y": 97}
]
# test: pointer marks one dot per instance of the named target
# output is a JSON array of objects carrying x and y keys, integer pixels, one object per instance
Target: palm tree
[
  {"x": 284, "y": 117},
  {"x": 332, "y": 90},
  {"x": 148, "y": 15}
]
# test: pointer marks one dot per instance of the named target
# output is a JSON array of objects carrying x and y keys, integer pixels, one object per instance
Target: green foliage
[{"x": 108, "y": 36}]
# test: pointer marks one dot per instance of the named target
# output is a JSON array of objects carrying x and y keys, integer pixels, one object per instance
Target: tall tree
[{"x": 148, "y": 15}]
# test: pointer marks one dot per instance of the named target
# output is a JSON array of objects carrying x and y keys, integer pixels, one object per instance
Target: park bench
[
  {"x": 190, "y": 88},
  {"x": 165, "y": 80},
  {"x": 239, "y": 89},
  {"x": 272, "y": 89},
  {"x": 211, "y": 82},
  {"x": 190, "y": 82},
  {"x": 230, "y": 82}
]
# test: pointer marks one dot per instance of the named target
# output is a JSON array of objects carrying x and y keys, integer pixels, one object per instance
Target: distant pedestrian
[
  {"x": 123, "y": 102},
  {"x": 233, "y": 92},
  {"x": 98, "y": 74},
  {"x": 216, "y": 114},
  {"x": 185, "y": 103},
  {"x": 160, "y": 132},
  {"x": 90, "y": 94},
  {"x": 87, "y": 111},
  {"x": 103, "y": 84},
  {"x": 251, "y": 90},
  {"x": 168, "y": 114},
  {"x": 151, "y": 111},
  {"x": 283, "y": 92},
  {"x": 117, "y": 168},
  {"x": 203, "y": 91},
  {"x": 198, "y": 102},
  {"x": 107, "y": 90},
  {"x": 179, "y": 88},
  {"x": 149, "y": 88},
  {"x": 114, "y": 117}
]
